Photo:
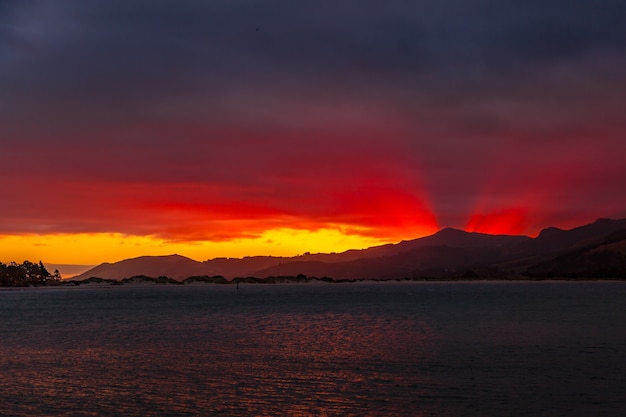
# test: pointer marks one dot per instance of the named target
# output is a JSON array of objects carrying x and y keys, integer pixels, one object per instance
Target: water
[{"x": 397, "y": 349}]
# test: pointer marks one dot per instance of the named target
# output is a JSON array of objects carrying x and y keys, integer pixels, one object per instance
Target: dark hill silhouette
[
  {"x": 605, "y": 259},
  {"x": 553, "y": 240},
  {"x": 448, "y": 253},
  {"x": 460, "y": 239},
  {"x": 441, "y": 254},
  {"x": 174, "y": 266},
  {"x": 445, "y": 237},
  {"x": 180, "y": 267},
  {"x": 237, "y": 267}
]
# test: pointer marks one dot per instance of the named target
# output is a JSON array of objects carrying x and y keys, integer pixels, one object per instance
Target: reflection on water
[{"x": 298, "y": 350}]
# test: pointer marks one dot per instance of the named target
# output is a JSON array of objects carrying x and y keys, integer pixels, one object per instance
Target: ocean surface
[{"x": 360, "y": 349}]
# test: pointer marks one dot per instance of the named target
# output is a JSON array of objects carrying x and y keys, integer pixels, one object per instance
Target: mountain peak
[
  {"x": 170, "y": 258},
  {"x": 450, "y": 230},
  {"x": 550, "y": 231},
  {"x": 605, "y": 220}
]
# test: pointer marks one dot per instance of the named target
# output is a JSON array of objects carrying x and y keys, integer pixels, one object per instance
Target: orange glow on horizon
[{"x": 95, "y": 248}]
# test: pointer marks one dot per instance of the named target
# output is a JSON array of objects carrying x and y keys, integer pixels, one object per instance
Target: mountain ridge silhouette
[{"x": 448, "y": 253}]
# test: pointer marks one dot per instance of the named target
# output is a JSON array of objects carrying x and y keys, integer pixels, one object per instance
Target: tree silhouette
[{"x": 26, "y": 274}]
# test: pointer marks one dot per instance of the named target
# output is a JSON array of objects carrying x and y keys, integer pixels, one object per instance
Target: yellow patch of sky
[{"x": 95, "y": 248}]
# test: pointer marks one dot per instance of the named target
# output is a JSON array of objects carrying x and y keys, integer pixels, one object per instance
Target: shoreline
[{"x": 311, "y": 282}]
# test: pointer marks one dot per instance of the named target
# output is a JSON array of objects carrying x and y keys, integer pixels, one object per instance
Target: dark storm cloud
[
  {"x": 120, "y": 52},
  {"x": 169, "y": 45},
  {"x": 139, "y": 44}
]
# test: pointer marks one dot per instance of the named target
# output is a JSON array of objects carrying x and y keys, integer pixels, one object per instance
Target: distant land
[
  {"x": 592, "y": 251},
  {"x": 69, "y": 270}
]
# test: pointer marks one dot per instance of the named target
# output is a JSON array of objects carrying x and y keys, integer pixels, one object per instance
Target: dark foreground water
[{"x": 401, "y": 349}]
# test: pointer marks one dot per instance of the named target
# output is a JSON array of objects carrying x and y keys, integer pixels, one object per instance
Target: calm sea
[{"x": 394, "y": 349}]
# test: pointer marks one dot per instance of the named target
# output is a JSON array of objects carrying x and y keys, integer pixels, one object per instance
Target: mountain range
[{"x": 594, "y": 250}]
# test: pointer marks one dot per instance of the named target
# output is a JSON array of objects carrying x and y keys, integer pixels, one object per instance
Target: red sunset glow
[{"x": 194, "y": 132}]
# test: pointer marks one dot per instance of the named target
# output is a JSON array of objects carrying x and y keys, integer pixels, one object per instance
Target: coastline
[{"x": 310, "y": 282}]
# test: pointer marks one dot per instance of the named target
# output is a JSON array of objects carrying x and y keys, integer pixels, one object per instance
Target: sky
[{"x": 275, "y": 127}]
